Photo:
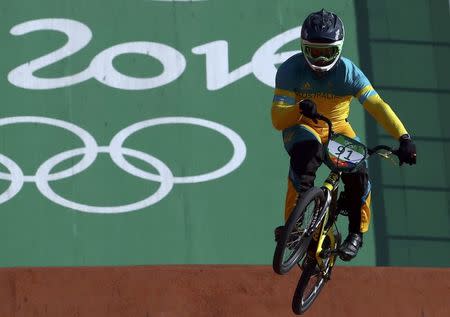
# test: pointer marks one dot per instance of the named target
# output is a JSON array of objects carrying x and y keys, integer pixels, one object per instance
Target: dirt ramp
[{"x": 218, "y": 291}]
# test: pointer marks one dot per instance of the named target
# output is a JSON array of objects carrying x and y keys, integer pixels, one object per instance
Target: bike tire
[
  {"x": 281, "y": 266},
  {"x": 299, "y": 303}
]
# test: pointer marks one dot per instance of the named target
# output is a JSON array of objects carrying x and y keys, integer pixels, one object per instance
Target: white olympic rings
[{"x": 117, "y": 153}]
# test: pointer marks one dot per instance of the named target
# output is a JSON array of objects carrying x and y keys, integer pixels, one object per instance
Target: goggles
[{"x": 322, "y": 54}]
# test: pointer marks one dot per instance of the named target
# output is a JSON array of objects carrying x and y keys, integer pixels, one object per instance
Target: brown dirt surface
[{"x": 163, "y": 291}]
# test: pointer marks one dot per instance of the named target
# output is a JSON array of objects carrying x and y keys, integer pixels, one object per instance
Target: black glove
[
  {"x": 308, "y": 109},
  {"x": 407, "y": 150}
]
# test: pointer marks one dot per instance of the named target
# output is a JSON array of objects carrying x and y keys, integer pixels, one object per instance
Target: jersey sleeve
[
  {"x": 285, "y": 112},
  {"x": 377, "y": 107}
]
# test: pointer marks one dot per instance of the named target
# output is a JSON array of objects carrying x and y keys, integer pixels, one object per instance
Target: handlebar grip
[{"x": 382, "y": 147}]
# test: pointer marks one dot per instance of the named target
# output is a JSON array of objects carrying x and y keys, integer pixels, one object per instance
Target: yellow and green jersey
[{"x": 331, "y": 91}]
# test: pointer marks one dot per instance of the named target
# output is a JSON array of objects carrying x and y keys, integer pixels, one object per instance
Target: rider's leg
[
  {"x": 306, "y": 157},
  {"x": 305, "y": 150},
  {"x": 357, "y": 188},
  {"x": 304, "y": 147}
]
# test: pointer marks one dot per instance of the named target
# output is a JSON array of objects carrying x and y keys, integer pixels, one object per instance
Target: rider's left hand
[{"x": 407, "y": 150}]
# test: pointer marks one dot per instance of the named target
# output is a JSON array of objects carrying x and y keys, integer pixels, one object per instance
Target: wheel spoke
[
  {"x": 311, "y": 283},
  {"x": 291, "y": 249},
  {"x": 297, "y": 235},
  {"x": 314, "y": 284}
]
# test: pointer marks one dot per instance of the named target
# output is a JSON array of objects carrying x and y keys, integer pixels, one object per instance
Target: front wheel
[{"x": 296, "y": 237}]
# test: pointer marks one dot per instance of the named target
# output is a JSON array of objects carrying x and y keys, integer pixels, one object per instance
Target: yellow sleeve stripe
[
  {"x": 365, "y": 93},
  {"x": 281, "y": 103},
  {"x": 284, "y": 96},
  {"x": 282, "y": 92},
  {"x": 364, "y": 90}
]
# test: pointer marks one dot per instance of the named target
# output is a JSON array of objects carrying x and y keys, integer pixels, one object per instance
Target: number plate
[{"x": 344, "y": 152}]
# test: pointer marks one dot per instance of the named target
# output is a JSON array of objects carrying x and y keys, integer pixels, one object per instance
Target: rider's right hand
[{"x": 308, "y": 109}]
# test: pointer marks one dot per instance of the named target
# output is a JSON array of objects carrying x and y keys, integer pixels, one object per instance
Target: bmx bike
[{"x": 310, "y": 237}]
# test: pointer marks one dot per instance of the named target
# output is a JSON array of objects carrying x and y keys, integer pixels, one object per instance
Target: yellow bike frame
[{"x": 321, "y": 232}]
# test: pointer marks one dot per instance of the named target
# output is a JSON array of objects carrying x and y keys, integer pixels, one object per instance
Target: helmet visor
[{"x": 322, "y": 54}]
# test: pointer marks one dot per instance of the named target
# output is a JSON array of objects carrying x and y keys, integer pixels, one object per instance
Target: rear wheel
[
  {"x": 308, "y": 288},
  {"x": 313, "y": 280},
  {"x": 295, "y": 238}
]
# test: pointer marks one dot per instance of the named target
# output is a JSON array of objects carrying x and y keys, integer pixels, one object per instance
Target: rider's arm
[
  {"x": 372, "y": 102},
  {"x": 381, "y": 111},
  {"x": 285, "y": 112}
]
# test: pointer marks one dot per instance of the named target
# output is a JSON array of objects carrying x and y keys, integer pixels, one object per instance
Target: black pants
[{"x": 306, "y": 158}]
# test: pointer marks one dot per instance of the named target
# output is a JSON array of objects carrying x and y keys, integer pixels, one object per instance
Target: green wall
[
  {"x": 406, "y": 55},
  {"x": 191, "y": 84}
]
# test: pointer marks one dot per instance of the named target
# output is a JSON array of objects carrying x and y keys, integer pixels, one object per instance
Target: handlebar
[{"x": 371, "y": 151}]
